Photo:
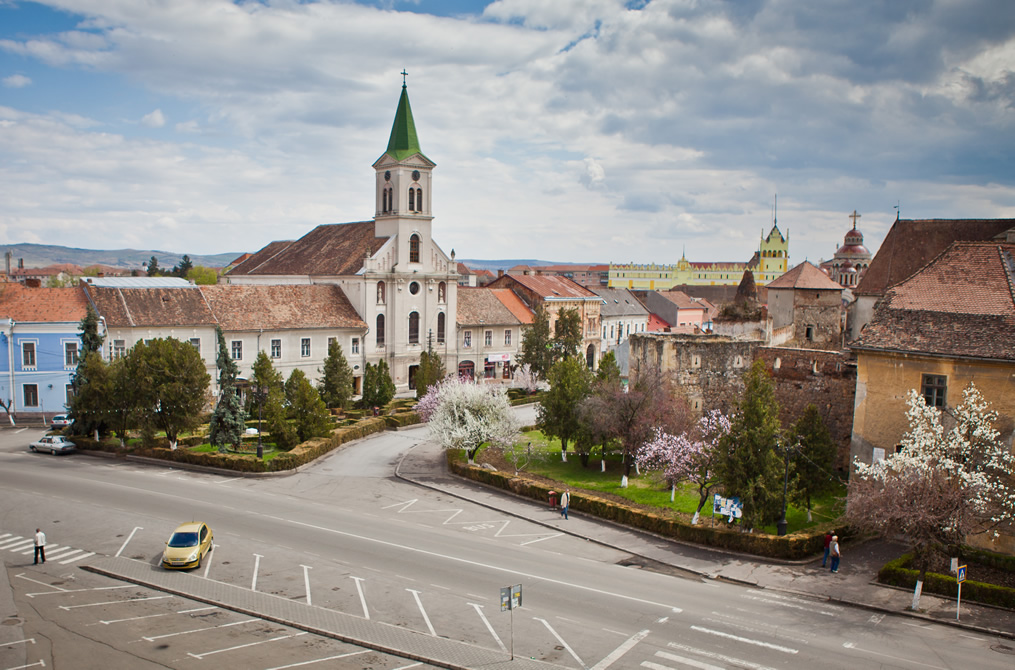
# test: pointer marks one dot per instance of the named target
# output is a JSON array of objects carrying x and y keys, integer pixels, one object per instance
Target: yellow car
[{"x": 187, "y": 546}]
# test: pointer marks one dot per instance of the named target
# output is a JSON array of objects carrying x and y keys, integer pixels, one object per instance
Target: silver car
[
  {"x": 54, "y": 444},
  {"x": 60, "y": 421}
]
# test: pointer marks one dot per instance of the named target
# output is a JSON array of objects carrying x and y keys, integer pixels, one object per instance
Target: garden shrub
[{"x": 898, "y": 573}]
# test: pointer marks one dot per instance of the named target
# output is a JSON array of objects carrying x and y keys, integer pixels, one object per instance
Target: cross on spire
[
  {"x": 854, "y": 216},
  {"x": 404, "y": 75}
]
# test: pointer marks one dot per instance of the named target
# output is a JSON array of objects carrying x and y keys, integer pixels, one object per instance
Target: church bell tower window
[
  {"x": 414, "y": 248},
  {"x": 412, "y": 200}
]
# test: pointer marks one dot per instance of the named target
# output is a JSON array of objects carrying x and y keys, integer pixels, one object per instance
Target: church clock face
[
  {"x": 387, "y": 175},
  {"x": 415, "y": 175},
  {"x": 414, "y": 288}
]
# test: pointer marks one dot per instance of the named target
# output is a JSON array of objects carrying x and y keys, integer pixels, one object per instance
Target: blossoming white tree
[
  {"x": 464, "y": 415},
  {"x": 682, "y": 458},
  {"x": 944, "y": 484}
]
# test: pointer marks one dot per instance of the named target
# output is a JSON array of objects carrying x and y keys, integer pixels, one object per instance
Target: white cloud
[
  {"x": 16, "y": 81},
  {"x": 154, "y": 119}
]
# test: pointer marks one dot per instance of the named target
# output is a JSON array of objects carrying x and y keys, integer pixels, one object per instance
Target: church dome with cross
[{"x": 851, "y": 259}]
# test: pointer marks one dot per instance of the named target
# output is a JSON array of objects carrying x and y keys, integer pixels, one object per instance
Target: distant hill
[
  {"x": 478, "y": 264},
  {"x": 41, "y": 255}
]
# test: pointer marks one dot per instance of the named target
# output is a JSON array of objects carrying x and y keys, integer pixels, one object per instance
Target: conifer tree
[
  {"x": 228, "y": 421},
  {"x": 306, "y": 409},
  {"x": 336, "y": 382}
]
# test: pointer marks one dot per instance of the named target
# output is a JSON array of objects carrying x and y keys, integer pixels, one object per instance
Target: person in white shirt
[
  {"x": 565, "y": 502},
  {"x": 40, "y": 546}
]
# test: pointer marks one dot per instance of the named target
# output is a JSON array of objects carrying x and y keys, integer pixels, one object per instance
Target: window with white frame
[
  {"x": 355, "y": 345},
  {"x": 31, "y": 395},
  {"x": 276, "y": 348},
  {"x": 196, "y": 343},
  {"x": 70, "y": 354},
  {"x": 28, "y": 354},
  {"x": 467, "y": 339},
  {"x": 237, "y": 350},
  {"x": 507, "y": 338},
  {"x": 119, "y": 348},
  {"x": 488, "y": 338},
  {"x": 305, "y": 347}
]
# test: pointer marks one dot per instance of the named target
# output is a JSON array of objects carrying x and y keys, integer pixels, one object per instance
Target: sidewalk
[{"x": 853, "y": 585}]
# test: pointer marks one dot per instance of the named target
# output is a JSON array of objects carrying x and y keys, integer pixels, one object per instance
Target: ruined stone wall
[{"x": 821, "y": 311}]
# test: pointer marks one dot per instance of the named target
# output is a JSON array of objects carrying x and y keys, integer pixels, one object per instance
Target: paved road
[{"x": 346, "y": 538}]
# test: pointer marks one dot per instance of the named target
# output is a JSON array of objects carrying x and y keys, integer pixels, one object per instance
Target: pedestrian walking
[
  {"x": 828, "y": 542},
  {"x": 40, "y": 546},
  {"x": 834, "y": 550},
  {"x": 565, "y": 502}
]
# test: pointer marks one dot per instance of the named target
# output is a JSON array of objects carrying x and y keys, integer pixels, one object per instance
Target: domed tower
[{"x": 852, "y": 258}]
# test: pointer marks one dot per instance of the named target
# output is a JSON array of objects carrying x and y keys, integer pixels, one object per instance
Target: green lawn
[
  {"x": 537, "y": 454},
  {"x": 248, "y": 449}
]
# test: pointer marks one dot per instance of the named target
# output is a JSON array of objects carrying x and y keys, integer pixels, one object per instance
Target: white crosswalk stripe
[{"x": 25, "y": 546}]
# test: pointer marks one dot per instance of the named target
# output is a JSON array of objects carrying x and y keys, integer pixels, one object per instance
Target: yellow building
[{"x": 770, "y": 262}]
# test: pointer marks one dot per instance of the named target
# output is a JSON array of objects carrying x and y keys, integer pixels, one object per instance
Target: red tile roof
[
  {"x": 514, "y": 304},
  {"x": 655, "y": 324},
  {"x": 682, "y": 300},
  {"x": 548, "y": 287},
  {"x": 284, "y": 306},
  {"x": 962, "y": 304},
  {"x": 484, "y": 305},
  {"x": 153, "y": 307},
  {"x": 334, "y": 249},
  {"x": 805, "y": 276},
  {"x": 42, "y": 305},
  {"x": 911, "y": 244}
]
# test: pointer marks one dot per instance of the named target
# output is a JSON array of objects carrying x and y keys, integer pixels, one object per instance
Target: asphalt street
[{"x": 349, "y": 542}]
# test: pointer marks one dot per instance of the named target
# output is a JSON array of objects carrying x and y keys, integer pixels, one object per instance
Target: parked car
[
  {"x": 187, "y": 546},
  {"x": 54, "y": 444},
  {"x": 61, "y": 421}
]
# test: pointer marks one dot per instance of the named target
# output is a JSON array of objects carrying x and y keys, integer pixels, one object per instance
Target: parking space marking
[
  {"x": 129, "y": 538},
  {"x": 306, "y": 580},
  {"x": 244, "y": 646},
  {"x": 362, "y": 599},
  {"x": 329, "y": 658},
  {"x": 562, "y": 643},
  {"x": 419, "y": 603},
  {"x": 113, "y": 602},
  {"x": 133, "y": 618},
  {"x": 198, "y": 630},
  {"x": 40, "y": 664},
  {"x": 207, "y": 557},
  {"x": 257, "y": 563},
  {"x": 406, "y": 667},
  {"x": 479, "y": 611},
  {"x": 63, "y": 591},
  {"x": 197, "y": 609}
]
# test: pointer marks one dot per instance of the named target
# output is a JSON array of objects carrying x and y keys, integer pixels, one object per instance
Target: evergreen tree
[
  {"x": 306, "y": 409},
  {"x": 85, "y": 414},
  {"x": 89, "y": 400},
  {"x": 385, "y": 385},
  {"x": 367, "y": 400},
  {"x": 537, "y": 351},
  {"x": 153, "y": 267},
  {"x": 170, "y": 385},
  {"x": 336, "y": 378},
  {"x": 184, "y": 266},
  {"x": 431, "y": 371},
  {"x": 558, "y": 412},
  {"x": 121, "y": 406},
  {"x": 814, "y": 458},
  {"x": 609, "y": 370},
  {"x": 276, "y": 419},
  {"x": 749, "y": 466},
  {"x": 228, "y": 421},
  {"x": 567, "y": 334}
]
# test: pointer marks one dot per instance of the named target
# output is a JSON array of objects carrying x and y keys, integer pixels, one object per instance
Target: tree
[
  {"x": 86, "y": 413},
  {"x": 170, "y": 385},
  {"x": 609, "y": 370},
  {"x": 632, "y": 416},
  {"x": 265, "y": 379},
  {"x": 537, "y": 350},
  {"x": 228, "y": 421},
  {"x": 525, "y": 378},
  {"x": 153, "y": 267},
  {"x": 203, "y": 276},
  {"x": 558, "y": 412},
  {"x": 91, "y": 396},
  {"x": 814, "y": 457},
  {"x": 306, "y": 409},
  {"x": 183, "y": 267},
  {"x": 567, "y": 334},
  {"x": 336, "y": 378},
  {"x": 431, "y": 370},
  {"x": 276, "y": 417},
  {"x": 378, "y": 389},
  {"x": 749, "y": 466},
  {"x": 466, "y": 416},
  {"x": 943, "y": 485}
]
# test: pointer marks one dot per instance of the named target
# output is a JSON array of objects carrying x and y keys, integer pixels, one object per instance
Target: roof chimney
[{"x": 500, "y": 273}]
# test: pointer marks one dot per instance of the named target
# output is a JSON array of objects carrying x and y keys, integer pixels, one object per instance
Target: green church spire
[{"x": 403, "y": 141}]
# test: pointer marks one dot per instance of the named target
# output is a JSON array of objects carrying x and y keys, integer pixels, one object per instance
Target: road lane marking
[
  {"x": 306, "y": 580},
  {"x": 625, "y": 647},
  {"x": 198, "y": 630},
  {"x": 129, "y": 538},
  {"x": 62, "y": 591},
  {"x": 746, "y": 640},
  {"x": 540, "y": 539},
  {"x": 852, "y": 645},
  {"x": 362, "y": 599},
  {"x": 679, "y": 659},
  {"x": 419, "y": 604},
  {"x": 41, "y": 664},
  {"x": 329, "y": 658},
  {"x": 49, "y": 548},
  {"x": 77, "y": 558},
  {"x": 789, "y": 605},
  {"x": 562, "y": 643},
  {"x": 740, "y": 663},
  {"x": 257, "y": 563},
  {"x": 134, "y": 618},
  {"x": 19, "y": 545},
  {"x": 25, "y": 641},
  {"x": 663, "y": 619},
  {"x": 759, "y": 628},
  {"x": 36, "y": 581},
  {"x": 479, "y": 611},
  {"x": 113, "y": 602},
  {"x": 244, "y": 646},
  {"x": 64, "y": 553},
  {"x": 406, "y": 667},
  {"x": 487, "y": 566}
]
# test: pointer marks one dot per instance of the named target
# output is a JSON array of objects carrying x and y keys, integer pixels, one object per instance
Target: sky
[{"x": 585, "y": 131}]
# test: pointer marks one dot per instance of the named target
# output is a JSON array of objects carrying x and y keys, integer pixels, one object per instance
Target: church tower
[{"x": 403, "y": 187}]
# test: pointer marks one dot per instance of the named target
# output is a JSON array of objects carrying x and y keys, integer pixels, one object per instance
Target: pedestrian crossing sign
[{"x": 960, "y": 575}]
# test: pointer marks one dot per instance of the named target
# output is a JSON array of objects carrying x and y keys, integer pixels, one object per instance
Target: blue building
[{"x": 39, "y": 344}]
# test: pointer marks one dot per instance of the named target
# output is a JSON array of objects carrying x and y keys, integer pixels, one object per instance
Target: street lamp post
[{"x": 260, "y": 404}]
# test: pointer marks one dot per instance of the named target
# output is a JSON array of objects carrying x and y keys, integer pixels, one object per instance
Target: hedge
[
  {"x": 898, "y": 573},
  {"x": 799, "y": 545}
]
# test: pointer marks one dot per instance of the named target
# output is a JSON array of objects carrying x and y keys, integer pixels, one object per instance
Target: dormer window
[{"x": 414, "y": 247}]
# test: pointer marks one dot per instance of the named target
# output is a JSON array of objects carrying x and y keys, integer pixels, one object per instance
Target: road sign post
[
  {"x": 510, "y": 598},
  {"x": 960, "y": 576}
]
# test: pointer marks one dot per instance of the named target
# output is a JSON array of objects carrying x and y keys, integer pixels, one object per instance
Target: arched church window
[
  {"x": 414, "y": 248},
  {"x": 442, "y": 292},
  {"x": 412, "y": 200},
  {"x": 440, "y": 327},
  {"x": 388, "y": 199},
  {"x": 380, "y": 293},
  {"x": 379, "y": 331},
  {"x": 414, "y": 328},
  {"x": 419, "y": 200}
]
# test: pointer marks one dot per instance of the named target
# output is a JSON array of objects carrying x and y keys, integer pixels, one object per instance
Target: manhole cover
[
  {"x": 13, "y": 621},
  {"x": 1003, "y": 648}
]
